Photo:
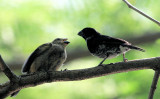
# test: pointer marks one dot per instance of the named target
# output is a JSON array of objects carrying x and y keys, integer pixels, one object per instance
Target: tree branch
[
  {"x": 12, "y": 77},
  {"x": 81, "y": 74},
  {"x": 157, "y": 72},
  {"x": 142, "y": 13},
  {"x": 154, "y": 84}
]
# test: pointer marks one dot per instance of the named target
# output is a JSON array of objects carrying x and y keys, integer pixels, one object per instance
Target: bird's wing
[
  {"x": 40, "y": 50},
  {"x": 105, "y": 42},
  {"x": 110, "y": 40},
  {"x": 133, "y": 47}
]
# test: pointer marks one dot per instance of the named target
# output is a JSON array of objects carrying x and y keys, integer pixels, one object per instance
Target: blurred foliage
[{"x": 26, "y": 24}]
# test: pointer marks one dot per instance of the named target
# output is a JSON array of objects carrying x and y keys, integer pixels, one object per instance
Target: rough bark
[{"x": 38, "y": 78}]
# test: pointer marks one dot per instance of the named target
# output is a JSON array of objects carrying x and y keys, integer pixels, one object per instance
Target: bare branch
[
  {"x": 142, "y": 13},
  {"x": 7, "y": 71},
  {"x": 157, "y": 72},
  {"x": 81, "y": 74},
  {"x": 154, "y": 84}
]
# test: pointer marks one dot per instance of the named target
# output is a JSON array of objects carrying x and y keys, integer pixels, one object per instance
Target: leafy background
[{"x": 26, "y": 24}]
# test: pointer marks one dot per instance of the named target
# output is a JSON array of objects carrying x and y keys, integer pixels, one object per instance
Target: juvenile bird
[
  {"x": 47, "y": 57},
  {"x": 105, "y": 46}
]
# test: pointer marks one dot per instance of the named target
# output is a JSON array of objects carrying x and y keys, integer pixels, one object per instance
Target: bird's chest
[
  {"x": 56, "y": 63},
  {"x": 51, "y": 60},
  {"x": 104, "y": 50},
  {"x": 57, "y": 56},
  {"x": 107, "y": 51}
]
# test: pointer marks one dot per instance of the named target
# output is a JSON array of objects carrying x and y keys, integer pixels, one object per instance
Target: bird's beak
[
  {"x": 80, "y": 33},
  {"x": 65, "y": 41}
]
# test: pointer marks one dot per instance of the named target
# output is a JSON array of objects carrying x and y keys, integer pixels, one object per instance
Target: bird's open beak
[
  {"x": 80, "y": 33},
  {"x": 65, "y": 41}
]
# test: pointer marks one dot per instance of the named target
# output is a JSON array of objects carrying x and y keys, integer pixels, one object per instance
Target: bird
[
  {"x": 104, "y": 46},
  {"x": 47, "y": 57}
]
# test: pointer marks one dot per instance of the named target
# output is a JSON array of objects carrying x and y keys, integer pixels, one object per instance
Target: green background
[{"x": 26, "y": 24}]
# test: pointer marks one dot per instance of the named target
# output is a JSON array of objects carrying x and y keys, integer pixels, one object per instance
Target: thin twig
[
  {"x": 156, "y": 76},
  {"x": 7, "y": 71},
  {"x": 140, "y": 12},
  {"x": 154, "y": 84}
]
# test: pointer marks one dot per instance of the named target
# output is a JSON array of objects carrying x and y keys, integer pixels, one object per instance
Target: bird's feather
[
  {"x": 133, "y": 47},
  {"x": 41, "y": 49},
  {"x": 110, "y": 43},
  {"x": 108, "y": 40}
]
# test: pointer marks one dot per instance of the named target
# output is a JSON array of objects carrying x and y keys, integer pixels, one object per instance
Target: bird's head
[
  {"x": 61, "y": 41},
  {"x": 88, "y": 32}
]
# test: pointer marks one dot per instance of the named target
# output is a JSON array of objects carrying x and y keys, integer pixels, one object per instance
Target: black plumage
[{"x": 105, "y": 46}]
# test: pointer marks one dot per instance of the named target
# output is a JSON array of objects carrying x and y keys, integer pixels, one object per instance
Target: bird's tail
[{"x": 134, "y": 47}]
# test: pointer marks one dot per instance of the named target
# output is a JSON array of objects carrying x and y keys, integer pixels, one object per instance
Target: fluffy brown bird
[{"x": 47, "y": 57}]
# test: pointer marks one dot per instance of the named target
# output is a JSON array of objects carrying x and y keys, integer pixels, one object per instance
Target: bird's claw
[
  {"x": 107, "y": 64},
  {"x": 64, "y": 69},
  {"x": 111, "y": 64},
  {"x": 125, "y": 60}
]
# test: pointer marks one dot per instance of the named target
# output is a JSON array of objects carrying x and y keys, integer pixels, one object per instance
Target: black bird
[
  {"x": 105, "y": 46},
  {"x": 47, "y": 57}
]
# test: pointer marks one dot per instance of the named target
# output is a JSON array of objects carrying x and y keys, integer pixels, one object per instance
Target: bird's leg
[
  {"x": 102, "y": 61},
  {"x": 124, "y": 59}
]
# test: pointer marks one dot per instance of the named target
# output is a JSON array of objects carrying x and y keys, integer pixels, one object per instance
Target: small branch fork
[
  {"x": 140, "y": 12},
  {"x": 154, "y": 84},
  {"x": 24, "y": 81},
  {"x": 12, "y": 77},
  {"x": 157, "y": 71}
]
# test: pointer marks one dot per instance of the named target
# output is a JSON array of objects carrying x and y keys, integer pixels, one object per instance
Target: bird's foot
[
  {"x": 64, "y": 69},
  {"x": 125, "y": 60},
  {"x": 111, "y": 64},
  {"x": 107, "y": 64}
]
